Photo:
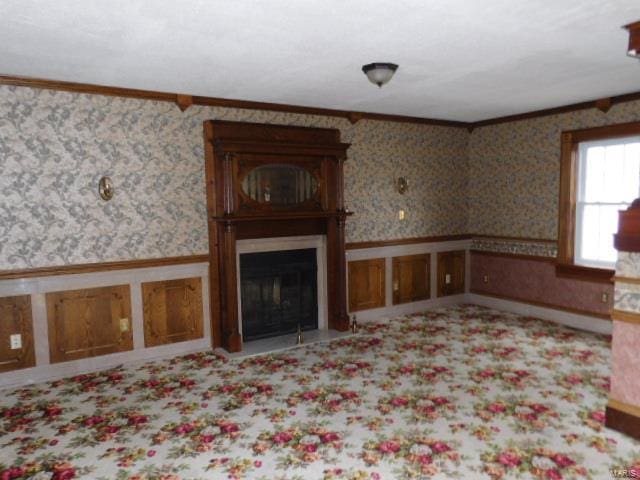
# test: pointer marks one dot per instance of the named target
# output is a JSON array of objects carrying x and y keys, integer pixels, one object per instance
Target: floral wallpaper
[
  {"x": 500, "y": 180},
  {"x": 55, "y": 146},
  {"x": 514, "y": 171}
]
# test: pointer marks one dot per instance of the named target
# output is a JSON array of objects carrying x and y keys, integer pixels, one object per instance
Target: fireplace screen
[{"x": 278, "y": 291}]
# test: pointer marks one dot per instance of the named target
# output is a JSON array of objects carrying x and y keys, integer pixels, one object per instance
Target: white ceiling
[{"x": 459, "y": 59}]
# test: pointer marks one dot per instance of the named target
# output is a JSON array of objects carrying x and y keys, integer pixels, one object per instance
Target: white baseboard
[
  {"x": 574, "y": 320},
  {"x": 408, "y": 308},
  {"x": 55, "y": 371}
]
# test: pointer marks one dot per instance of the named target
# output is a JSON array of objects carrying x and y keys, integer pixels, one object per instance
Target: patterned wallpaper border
[{"x": 515, "y": 247}]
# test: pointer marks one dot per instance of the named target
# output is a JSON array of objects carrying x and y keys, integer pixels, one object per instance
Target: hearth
[{"x": 278, "y": 292}]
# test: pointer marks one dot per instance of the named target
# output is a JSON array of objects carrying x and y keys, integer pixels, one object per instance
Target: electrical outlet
[
  {"x": 447, "y": 278},
  {"x": 16, "y": 341},
  {"x": 401, "y": 214},
  {"x": 124, "y": 324},
  {"x": 604, "y": 298},
  {"x": 485, "y": 278}
]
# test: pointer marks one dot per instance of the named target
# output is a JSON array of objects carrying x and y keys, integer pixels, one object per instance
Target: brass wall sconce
[
  {"x": 105, "y": 187},
  {"x": 402, "y": 185}
]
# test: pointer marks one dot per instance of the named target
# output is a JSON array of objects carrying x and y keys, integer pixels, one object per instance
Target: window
[
  {"x": 599, "y": 176},
  {"x": 608, "y": 181}
]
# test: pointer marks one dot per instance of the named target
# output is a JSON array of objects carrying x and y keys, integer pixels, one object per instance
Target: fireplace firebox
[{"x": 278, "y": 292}]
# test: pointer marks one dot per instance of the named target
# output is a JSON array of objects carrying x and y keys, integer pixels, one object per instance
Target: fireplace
[
  {"x": 273, "y": 181},
  {"x": 278, "y": 292}
]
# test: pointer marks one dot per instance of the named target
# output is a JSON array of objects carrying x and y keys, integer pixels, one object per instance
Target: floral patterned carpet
[{"x": 461, "y": 393}]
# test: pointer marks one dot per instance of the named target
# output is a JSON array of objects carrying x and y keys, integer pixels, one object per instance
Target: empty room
[{"x": 304, "y": 240}]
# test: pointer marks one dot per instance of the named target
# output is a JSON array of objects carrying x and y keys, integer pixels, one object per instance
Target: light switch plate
[
  {"x": 16, "y": 341},
  {"x": 447, "y": 278},
  {"x": 124, "y": 324}
]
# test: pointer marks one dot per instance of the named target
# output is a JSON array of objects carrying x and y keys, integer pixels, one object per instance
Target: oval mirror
[{"x": 280, "y": 185}]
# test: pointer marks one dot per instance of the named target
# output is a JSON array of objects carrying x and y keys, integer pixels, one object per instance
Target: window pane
[
  {"x": 613, "y": 174},
  {"x": 598, "y": 224},
  {"x": 608, "y": 226},
  {"x": 630, "y": 186},
  {"x": 590, "y": 235},
  {"x": 594, "y": 174}
]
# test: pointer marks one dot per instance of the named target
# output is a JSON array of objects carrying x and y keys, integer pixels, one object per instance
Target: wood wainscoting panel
[
  {"x": 451, "y": 273},
  {"x": 16, "y": 319},
  {"x": 411, "y": 278},
  {"x": 89, "y": 322},
  {"x": 172, "y": 311},
  {"x": 366, "y": 284}
]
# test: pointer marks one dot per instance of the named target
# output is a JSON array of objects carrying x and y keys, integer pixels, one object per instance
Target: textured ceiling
[{"x": 459, "y": 59}]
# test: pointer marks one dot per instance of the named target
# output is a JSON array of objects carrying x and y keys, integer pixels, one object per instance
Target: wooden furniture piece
[
  {"x": 16, "y": 319},
  {"x": 627, "y": 239},
  {"x": 411, "y": 274},
  {"x": 451, "y": 273},
  {"x": 366, "y": 284},
  {"x": 271, "y": 181},
  {"x": 172, "y": 311},
  {"x": 89, "y": 322}
]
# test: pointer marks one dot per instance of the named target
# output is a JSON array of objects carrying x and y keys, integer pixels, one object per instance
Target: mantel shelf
[{"x": 281, "y": 216}]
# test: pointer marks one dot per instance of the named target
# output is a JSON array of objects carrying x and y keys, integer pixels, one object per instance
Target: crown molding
[
  {"x": 184, "y": 101},
  {"x": 602, "y": 104}
]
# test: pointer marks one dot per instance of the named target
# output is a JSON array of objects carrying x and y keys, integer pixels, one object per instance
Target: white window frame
[{"x": 580, "y": 203}]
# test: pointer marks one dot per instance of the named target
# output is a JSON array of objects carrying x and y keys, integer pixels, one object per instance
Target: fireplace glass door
[{"x": 278, "y": 292}]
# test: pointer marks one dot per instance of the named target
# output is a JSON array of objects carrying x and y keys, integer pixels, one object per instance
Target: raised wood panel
[
  {"x": 172, "y": 311},
  {"x": 15, "y": 318},
  {"x": 366, "y": 284},
  {"x": 411, "y": 278},
  {"x": 451, "y": 264},
  {"x": 87, "y": 323}
]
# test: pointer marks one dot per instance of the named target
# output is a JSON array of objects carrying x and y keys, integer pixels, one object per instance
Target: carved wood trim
[{"x": 231, "y": 148}]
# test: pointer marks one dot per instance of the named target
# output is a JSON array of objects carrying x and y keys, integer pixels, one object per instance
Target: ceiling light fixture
[
  {"x": 634, "y": 39},
  {"x": 379, "y": 73}
]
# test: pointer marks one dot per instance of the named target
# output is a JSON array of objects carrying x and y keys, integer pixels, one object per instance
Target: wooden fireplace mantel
[{"x": 232, "y": 151}]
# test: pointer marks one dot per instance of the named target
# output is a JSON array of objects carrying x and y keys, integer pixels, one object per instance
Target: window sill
[{"x": 587, "y": 274}]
